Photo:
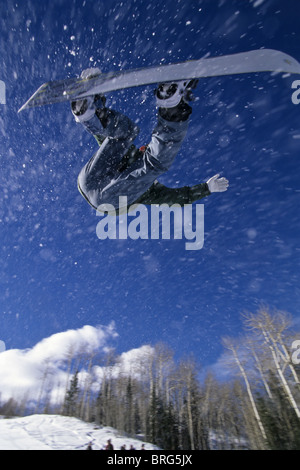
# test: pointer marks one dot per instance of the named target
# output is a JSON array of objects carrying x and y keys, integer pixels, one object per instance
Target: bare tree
[
  {"x": 84, "y": 408},
  {"x": 229, "y": 344},
  {"x": 272, "y": 327},
  {"x": 252, "y": 346},
  {"x": 187, "y": 386}
]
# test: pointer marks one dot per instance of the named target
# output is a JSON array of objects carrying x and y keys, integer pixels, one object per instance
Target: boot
[
  {"x": 172, "y": 99},
  {"x": 84, "y": 109}
]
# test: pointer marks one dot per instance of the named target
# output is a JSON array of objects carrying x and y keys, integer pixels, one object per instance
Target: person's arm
[{"x": 160, "y": 194}]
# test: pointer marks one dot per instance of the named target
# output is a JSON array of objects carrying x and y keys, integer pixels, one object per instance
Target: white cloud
[
  {"x": 136, "y": 360},
  {"x": 135, "y": 363},
  {"x": 22, "y": 371},
  {"x": 220, "y": 368},
  {"x": 87, "y": 339}
]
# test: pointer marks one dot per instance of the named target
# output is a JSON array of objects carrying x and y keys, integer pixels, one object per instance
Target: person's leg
[
  {"x": 101, "y": 121},
  {"x": 116, "y": 132},
  {"x": 101, "y": 181},
  {"x": 165, "y": 144},
  {"x": 102, "y": 170}
]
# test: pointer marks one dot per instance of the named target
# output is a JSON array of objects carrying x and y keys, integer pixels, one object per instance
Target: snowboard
[{"x": 261, "y": 60}]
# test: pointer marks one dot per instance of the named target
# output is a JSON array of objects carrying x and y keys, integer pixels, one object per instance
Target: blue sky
[{"x": 55, "y": 274}]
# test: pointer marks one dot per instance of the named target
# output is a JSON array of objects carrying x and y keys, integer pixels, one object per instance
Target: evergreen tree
[
  {"x": 71, "y": 399},
  {"x": 129, "y": 413},
  {"x": 151, "y": 431},
  {"x": 281, "y": 424}
]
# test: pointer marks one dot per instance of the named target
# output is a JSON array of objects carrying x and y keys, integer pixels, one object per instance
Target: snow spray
[{"x": 2, "y": 93}]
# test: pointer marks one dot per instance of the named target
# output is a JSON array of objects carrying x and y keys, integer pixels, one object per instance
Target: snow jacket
[{"x": 159, "y": 193}]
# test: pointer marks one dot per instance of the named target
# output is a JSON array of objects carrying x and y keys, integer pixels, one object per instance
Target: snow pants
[{"x": 100, "y": 180}]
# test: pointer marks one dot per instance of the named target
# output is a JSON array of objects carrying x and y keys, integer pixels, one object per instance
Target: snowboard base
[{"x": 261, "y": 60}]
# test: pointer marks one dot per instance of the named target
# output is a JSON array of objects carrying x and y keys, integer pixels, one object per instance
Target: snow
[{"x": 54, "y": 432}]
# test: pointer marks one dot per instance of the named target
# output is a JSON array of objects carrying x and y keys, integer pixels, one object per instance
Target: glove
[
  {"x": 216, "y": 184},
  {"x": 90, "y": 73}
]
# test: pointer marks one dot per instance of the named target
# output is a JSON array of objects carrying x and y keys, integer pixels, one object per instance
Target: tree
[
  {"x": 229, "y": 344},
  {"x": 71, "y": 399},
  {"x": 281, "y": 423},
  {"x": 271, "y": 327}
]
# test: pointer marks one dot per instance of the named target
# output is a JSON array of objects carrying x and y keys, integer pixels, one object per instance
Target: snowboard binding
[
  {"x": 172, "y": 99},
  {"x": 169, "y": 95},
  {"x": 84, "y": 109}
]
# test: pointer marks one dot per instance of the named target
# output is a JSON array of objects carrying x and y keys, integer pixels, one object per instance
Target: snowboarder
[{"x": 118, "y": 168}]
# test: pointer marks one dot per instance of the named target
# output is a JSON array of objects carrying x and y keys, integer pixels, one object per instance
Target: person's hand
[{"x": 216, "y": 184}]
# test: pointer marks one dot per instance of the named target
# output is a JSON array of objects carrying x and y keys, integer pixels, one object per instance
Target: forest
[{"x": 254, "y": 405}]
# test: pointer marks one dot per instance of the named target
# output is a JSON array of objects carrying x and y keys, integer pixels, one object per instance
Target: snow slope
[{"x": 53, "y": 432}]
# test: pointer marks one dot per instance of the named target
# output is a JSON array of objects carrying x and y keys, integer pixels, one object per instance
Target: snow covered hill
[{"x": 53, "y": 432}]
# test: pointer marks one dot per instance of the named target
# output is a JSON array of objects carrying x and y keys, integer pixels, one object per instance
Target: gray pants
[{"x": 100, "y": 180}]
